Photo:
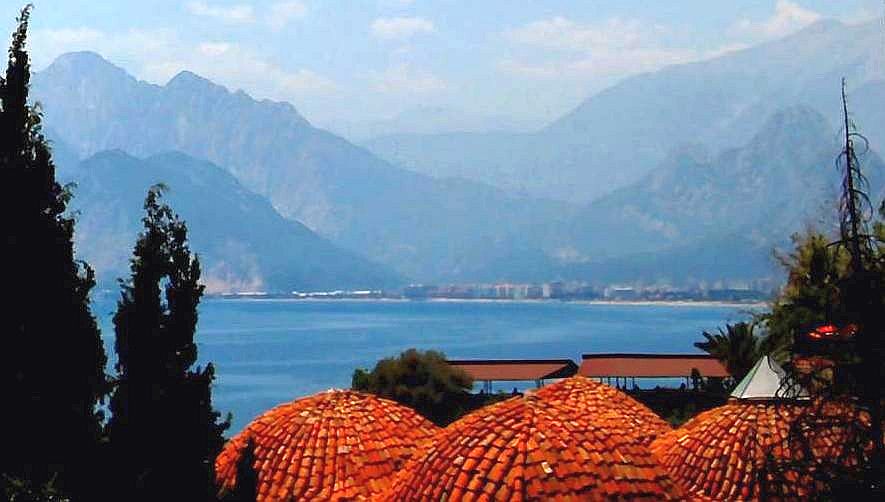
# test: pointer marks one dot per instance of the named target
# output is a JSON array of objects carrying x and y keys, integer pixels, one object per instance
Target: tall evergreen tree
[
  {"x": 51, "y": 360},
  {"x": 163, "y": 430}
]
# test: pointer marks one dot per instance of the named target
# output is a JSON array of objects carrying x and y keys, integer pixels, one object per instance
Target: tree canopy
[
  {"x": 164, "y": 433},
  {"x": 424, "y": 381},
  {"x": 737, "y": 346},
  {"x": 52, "y": 361}
]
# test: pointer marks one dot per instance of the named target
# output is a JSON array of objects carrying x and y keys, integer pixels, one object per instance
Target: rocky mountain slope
[{"x": 245, "y": 245}]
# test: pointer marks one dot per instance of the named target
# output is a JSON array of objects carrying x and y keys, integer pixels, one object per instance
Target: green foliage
[
  {"x": 811, "y": 296},
  {"x": 839, "y": 282},
  {"x": 164, "y": 432},
  {"x": 423, "y": 381},
  {"x": 822, "y": 289},
  {"x": 19, "y": 490},
  {"x": 681, "y": 415},
  {"x": 737, "y": 346},
  {"x": 52, "y": 360}
]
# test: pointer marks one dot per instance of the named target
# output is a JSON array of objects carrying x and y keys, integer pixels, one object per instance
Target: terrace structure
[
  {"x": 538, "y": 371},
  {"x": 626, "y": 368}
]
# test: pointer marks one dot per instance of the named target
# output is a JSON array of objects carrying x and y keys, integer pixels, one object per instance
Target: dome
[
  {"x": 719, "y": 454},
  {"x": 559, "y": 443},
  {"x": 336, "y": 445},
  {"x": 610, "y": 408}
]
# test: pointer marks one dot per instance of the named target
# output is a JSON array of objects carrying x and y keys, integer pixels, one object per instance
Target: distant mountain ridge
[
  {"x": 618, "y": 135},
  {"x": 700, "y": 217},
  {"x": 426, "y": 229},
  {"x": 244, "y": 244}
]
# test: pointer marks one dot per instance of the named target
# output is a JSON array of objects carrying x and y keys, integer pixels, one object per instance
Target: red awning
[
  {"x": 650, "y": 365},
  {"x": 516, "y": 369}
]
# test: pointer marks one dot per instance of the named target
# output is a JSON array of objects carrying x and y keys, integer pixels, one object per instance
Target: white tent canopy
[{"x": 765, "y": 382}]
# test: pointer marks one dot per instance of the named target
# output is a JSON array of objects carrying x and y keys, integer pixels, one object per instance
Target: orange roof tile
[
  {"x": 650, "y": 365},
  {"x": 336, "y": 445},
  {"x": 718, "y": 454},
  {"x": 573, "y": 440},
  {"x": 609, "y": 408}
]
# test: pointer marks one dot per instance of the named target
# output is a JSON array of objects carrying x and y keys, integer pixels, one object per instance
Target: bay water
[{"x": 270, "y": 351}]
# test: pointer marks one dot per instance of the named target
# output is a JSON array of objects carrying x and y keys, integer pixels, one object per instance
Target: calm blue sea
[{"x": 271, "y": 351}]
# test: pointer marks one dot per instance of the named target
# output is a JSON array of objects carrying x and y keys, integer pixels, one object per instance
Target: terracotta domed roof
[
  {"x": 336, "y": 445},
  {"x": 610, "y": 408},
  {"x": 718, "y": 455},
  {"x": 537, "y": 447}
]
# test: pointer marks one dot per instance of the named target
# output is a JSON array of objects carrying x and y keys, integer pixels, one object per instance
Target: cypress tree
[
  {"x": 52, "y": 360},
  {"x": 163, "y": 430},
  {"x": 246, "y": 487}
]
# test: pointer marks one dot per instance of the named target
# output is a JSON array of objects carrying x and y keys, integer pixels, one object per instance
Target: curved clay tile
[
  {"x": 719, "y": 454},
  {"x": 537, "y": 447},
  {"x": 336, "y": 445},
  {"x": 610, "y": 408}
]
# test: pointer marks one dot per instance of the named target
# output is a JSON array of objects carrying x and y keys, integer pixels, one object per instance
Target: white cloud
[
  {"x": 560, "y": 48},
  {"x": 223, "y": 62},
  {"x": 401, "y": 28},
  {"x": 600, "y": 65},
  {"x": 128, "y": 48},
  {"x": 787, "y": 18},
  {"x": 68, "y": 36},
  {"x": 402, "y": 79},
  {"x": 237, "y": 13},
  {"x": 562, "y": 33},
  {"x": 303, "y": 82},
  {"x": 282, "y": 13},
  {"x": 214, "y": 49}
]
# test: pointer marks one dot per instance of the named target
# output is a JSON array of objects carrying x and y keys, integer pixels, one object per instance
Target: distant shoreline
[{"x": 626, "y": 303}]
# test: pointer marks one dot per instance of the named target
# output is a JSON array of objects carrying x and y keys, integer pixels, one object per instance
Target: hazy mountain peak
[
  {"x": 114, "y": 155},
  {"x": 794, "y": 126},
  {"x": 85, "y": 65},
  {"x": 187, "y": 80},
  {"x": 82, "y": 59}
]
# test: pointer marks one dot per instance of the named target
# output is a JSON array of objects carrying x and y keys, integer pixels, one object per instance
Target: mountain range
[
  {"x": 702, "y": 217},
  {"x": 618, "y": 135},
  {"x": 689, "y": 174},
  {"x": 424, "y": 228}
]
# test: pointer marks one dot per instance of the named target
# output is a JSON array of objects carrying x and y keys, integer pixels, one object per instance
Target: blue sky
[{"x": 352, "y": 61}]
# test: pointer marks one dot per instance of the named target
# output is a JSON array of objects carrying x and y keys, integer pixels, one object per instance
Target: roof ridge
[
  {"x": 508, "y": 361},
  {"x": 642, "y": 355}
]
